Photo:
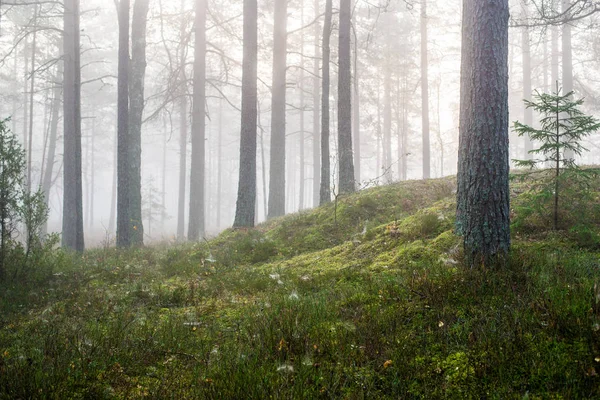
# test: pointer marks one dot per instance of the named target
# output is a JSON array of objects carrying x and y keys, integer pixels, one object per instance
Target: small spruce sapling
[{"x": 562, "y": 127}]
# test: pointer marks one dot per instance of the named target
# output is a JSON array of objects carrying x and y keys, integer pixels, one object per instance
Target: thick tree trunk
[
  {"x": 527, "y": 86},
  {"x": 316, "y": 170},
  {"x": 73, "y": 197},
  {"x": 196, "y": 226},
  {"x": 483, "y": 193},
  {"x": 425, "y": 94},
  {"x": 124, "y": 226},
  {"x": 278, "y": 114},
  {"x": 325, "y": 191},
  {"x": 136, "y": 104},
  {"x": 246, "y": 198},
  {"x": 345, "y": 156}
]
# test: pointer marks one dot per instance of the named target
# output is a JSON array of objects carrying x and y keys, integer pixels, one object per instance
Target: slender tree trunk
[
  {"x": 124, "y": 226},
  {"x": 345, "y": 156},
  {"x": 196, "y": 228},
  {"x": 316, "y": 114},
  {"x": 72, "y": 200},
  {"x": 555, "y": 55},
  {"x": 220, "y": 165},
  {"x": 387, "y": 124},
  {"x": 31, "y": 92},
  {"x": 567, "y": 62},
  {"x": 113, "y": 198},
  {"x": 301, "y": 148},
  {"x": 356, "y": 110},
  {"x": 527, "y": 86},
  {"x": 425, "y": 94},
  {"x": 325, "y": 191},
  {"x": 246, "y": 198},
  {"x": 278, "y": 113},
  {"x": 183, "y": 129},
  {"x": 136, "y": 102},
  {"x": 483, "y": 192}
]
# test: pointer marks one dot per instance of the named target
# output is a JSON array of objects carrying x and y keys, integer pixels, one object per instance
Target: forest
[{"x": 234, "y": 199}]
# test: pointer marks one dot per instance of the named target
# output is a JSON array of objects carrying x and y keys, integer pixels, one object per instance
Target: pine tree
[{"x": 562, "y": 127}]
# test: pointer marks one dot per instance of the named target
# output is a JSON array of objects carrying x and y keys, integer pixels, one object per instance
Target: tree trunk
[
  {"x": 325, "y": 191},
  {"x": 356, "y": 110},
  {"x": 220, "y": 165},
  {"x": 278, "y": 114},
  {"x": 483, "y": 193},
  {"x": 123, "y": 158},
  {"x": 345, "y": 156},
  {"x": 387, "y": 124},
  {"x": 316, "y": 114},
  {"x": 73, "y": 199},
  {"x": 301, "y": 148},
  {"x": 425, "y": 94},
  {"x": 136, "y": 111},
  {"x": 183, "y": 129},
  {"x": 246, "y": 198},
  {"x": 196, "y": 226},
  {"x": 567, "y": 62},
  {"x": 527, "y": 86},
  {"x": 31, "y": 92}
]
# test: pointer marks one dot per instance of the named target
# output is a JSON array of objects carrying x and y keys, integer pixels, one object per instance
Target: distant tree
[
  {"x": 425, "y": 94},
  {"x": 278, "y": 113},
  {"x": 347, "y": 182},
  {"x": 183, "y": 122},
  {"x": 73, "y": 195},
  {"x": 124, "y": 226},
  {"x": 527, "y": 85},
  {"x": 136, "y": 110},
  {"x": 197, "y": 175},
  {"x": 567, "y": 57},
  {"x": 316, "y": 175},
  {"x": 325, "y": 192},
  {"x": 483, "y": 210},
  {"x": 246, "y": 198},
  {"x": 563, "y": 126}
]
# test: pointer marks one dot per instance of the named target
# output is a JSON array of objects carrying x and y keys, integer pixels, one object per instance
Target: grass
[{"x": 373, "y": 305}]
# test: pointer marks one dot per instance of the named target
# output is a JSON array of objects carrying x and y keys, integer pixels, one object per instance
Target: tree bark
[
  {"x": 124, "y": 226},
  {"x": 527, "y": 86},
  {"x": 325, "y": 191},
  {"x": 483, "y": 193},
  {"x": 567, "y": 62},
  {"x": 425, "y": 94},
  {"x": 136, "y": 103},
  {"x": 246, "y": 198},
  {"x": 73, "y": 196},
  {"x": 183, "y": 128},
  {"x": 278, "y": 113},
  {"x": 387, "y": 124},
  {"x": 196, "y": 226},
  {"x": 345, "y": 156},
  {"x": 316, "y": 171}
]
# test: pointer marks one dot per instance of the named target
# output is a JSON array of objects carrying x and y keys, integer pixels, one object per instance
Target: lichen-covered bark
[
  {"x": 73, "y": 194},
  {"x": 136, "y": 110},
  {"x": 277, "y": 158},
  {"x": 345, "y": 155},
  {"x": 196, "y": 225},
  {"x": 246, "y": 199},
  {"x": 483, "y": 193}
]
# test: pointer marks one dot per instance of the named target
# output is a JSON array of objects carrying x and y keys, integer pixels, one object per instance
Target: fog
[{"x": 387, "y": 89}]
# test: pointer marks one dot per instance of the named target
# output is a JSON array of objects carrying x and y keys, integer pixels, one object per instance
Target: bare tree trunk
[
  {"x": 425, "y": 94},
  {"x": 124, "y": 226},
  {"x": 72, "y": 200},
  {"x": 356, "y": 109},
  {"x": 345, "y": 156},
  {"x": 527, "y": 86},
  {"x": 483, "y": 192},
  {"x": 220, "y": 165},
  {"x": 113, "y": 198},
  {"x": 567, "y": 62},
  {"x": 387, "y": 124},
  {"x": 278, "y": 113},
  {"x": 31, "y": 92},
  {"x": 325, "y": 191},
  {"x": 183, "y": 128},
  {"x": 301, "y": 149},
  {"x": 316, "y": 170},
  {"x": 196, "y": 228},
  {"x": 246, "y": 199},
  {"x": 136, "y": 102}
]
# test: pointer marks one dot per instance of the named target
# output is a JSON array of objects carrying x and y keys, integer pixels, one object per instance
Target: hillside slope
[{"x": 364, "y": 300}]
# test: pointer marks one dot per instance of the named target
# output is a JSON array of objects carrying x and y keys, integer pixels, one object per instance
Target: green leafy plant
[{"x": 562, "y": 127}]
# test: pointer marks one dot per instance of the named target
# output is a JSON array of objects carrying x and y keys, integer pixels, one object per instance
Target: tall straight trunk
[
  {"x": 113, "y": 197},
  {"x": 136, "y": 111},
  {"x": 325, "y": 191},
  {"x": 545, "y": 63},
  {"x": 483, "y": 209},
  {"x": 183, "y": 128},
  {"x": 196, "y": 226},
  {"x": 405, "y": 130},
  {"x": 301, "y": 148},
  {"x": 345, "y": 156},
  {"x": 555, "y": 55},
  {"x": 399, "y": 128},
  {"x": 31, "y": 92},
  {"x": 25, "y": 91},
  {"x": 219, "y": 204},
  {"x": 567, "y": 62},
  {"x": 278, "y": 120},
  {"x": 356, "y": 109},
  {"x": 387, "y": 124},
  {"x": 54, "y": 116},
  {"x": 425, "y": 94},
  {"x": 124, "y": 226},
  {"x": 378, "y": 159},
  {"x": 15, "y": 89},
  {"x": 316, "y": 170},
  {"x": 93, "y": 173},
  {"x": 246, "y": 198},
  {"x": 527, "y": 86},
  {"x": 163, "y": 197},
  {"x": 73, "y": 197}
]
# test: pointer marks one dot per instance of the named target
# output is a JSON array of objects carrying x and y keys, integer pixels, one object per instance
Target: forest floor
[{"x": 368, "y": 301}]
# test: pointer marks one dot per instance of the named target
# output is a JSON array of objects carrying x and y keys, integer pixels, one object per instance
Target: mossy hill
[{"x": 366, "y": 300}]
